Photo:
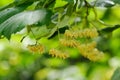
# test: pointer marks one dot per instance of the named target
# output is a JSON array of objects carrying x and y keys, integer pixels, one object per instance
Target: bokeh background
[{"x": 18, "y": 63}]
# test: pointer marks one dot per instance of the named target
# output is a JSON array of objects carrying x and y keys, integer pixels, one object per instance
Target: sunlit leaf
[
  {"x": 7, "y": 6},
  {"x": 60, "y": 3},
  {"x": 19, "y": 21}
]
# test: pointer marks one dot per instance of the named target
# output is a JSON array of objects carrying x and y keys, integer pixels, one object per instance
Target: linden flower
[
  {"x": 53, "y": 52},
  {"x": 57, "y": 53},
  {"x": 95, "y": 55},
  {"x": 82, "y": 49},
  {"x": 91, "y": 46},
  {"x": 89, "y": 51},
  {"x": 80, "y": 33},
  {"x": 86, "y": 47},
  {"x": 72, "y": 34},
  {"x": 36, "y": 48},
  {"x": 32, "y": 48},
  {"x": 69, "y": 42},
  {"x": 92, "y": 33},
  {"x": 68, "y": 34},
  {"x": 41, "y": 49}
]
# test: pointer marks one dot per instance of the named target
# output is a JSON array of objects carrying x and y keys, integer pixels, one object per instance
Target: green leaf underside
[
  {"x": 19, "y": 21},
  {"x": 116, "y": 75}
]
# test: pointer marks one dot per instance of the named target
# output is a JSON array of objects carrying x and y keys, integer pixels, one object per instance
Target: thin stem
[
  {"x": 49, "y": 3},
  {"x": 95, "y": 13},
  {"x": 45, "y": 3},
  {"x": 95, "y": 3},
  {"x": 29, "y": 29},
  {"x": 23, "y": 38},
  {"x": 81, "y": 2},
  {"x": 87, "y": 13},
  {"x": 101, "y": 22},
  {"x": 96, "y": 17},
  {"x": 59, "y": 16}
]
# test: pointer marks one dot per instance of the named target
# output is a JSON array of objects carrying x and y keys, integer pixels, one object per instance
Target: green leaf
[
  {"x": 108, "y": 30},
  {"x": 116, "y": 1},
  {"x": 103, "y": 3},
  {"x": 19, "y": 21},
  {"x": 39, "y": 32},
  {"x": 116, "y": 75},
  {"x": 7, "y": 6},
  {"x": 64, "y": 22},
  {"x": 60, "y": 3},
  {"x": 19, "y": 2},
  {"x": 7, "y": 13},
  {"x": 70, "y": 9}
]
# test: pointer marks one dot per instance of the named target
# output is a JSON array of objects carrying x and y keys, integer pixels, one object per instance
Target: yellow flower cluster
[
  {"x": 58, "y": 53},
  {"x": 86, "y": 47},
  {"x": 91, "y": 33},
  {"x": 69, "y": 42},
  {"x": 89, "y": 51},
  {"x": 36, "y": 48},
  {"x": 72, "y": 39},
  {"x": 95, "y": 55}
]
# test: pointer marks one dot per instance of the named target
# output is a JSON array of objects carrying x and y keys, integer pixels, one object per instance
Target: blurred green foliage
[
  {"x": 18, "y": 63},
  {"x": 4, "y": 2}
]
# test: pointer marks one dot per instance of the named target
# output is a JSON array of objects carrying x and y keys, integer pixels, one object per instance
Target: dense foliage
[{"x": 83, "y": 32}]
